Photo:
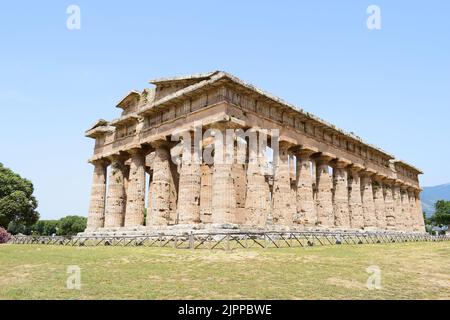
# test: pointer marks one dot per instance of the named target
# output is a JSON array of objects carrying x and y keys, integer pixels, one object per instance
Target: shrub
[{"x": 4, "y": 236}]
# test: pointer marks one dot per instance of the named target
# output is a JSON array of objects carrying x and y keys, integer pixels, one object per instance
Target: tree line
[{"x": 18, "y": 209}]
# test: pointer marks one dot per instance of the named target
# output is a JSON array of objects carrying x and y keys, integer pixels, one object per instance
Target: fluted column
[
  {"x": 324, "y": 196},
  {"x": 161, "y": 181},
  {"x": 116, "y": 199},
  {"x": 340, "y": 196},
  {"x": 412, "y": 209},
  {"x": 398, "y": 210},
  {"x": 257, "y": 202},
  {"x": 420, "y": 226},
  {"x": 355, "y": 200},
  {"x": 306, "y": 209},
  {"x": 284, "y": 207},
  {"x": 378, "y": 198},
  {"x": 389, "y": 205},
  {"x": 406, "y": 209},
  {"x": 223, "y": 194},
  {"x": 189, "y": 186},
  {"x": 368, "y": 205},
  {"x": 206, "y": 193},
  {"x": 96, "y": 216},
  {"x": 135, "y": 206}
]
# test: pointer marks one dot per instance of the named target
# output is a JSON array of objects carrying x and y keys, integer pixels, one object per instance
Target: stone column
[
  {"x": 189, "y": 185},
  {"x": 398, "y": 210},
  {"x": 135, "y": 206},
  {"x": 389, "y": 204},
  {"x": 355, "y": 200},
  {"x": 405, "y": 209},
  {"x": 368, "y": 205},
  {"x": 116, "y": 199},
  {"x": 284, "y": 207},
  {"x": 420, "y": 226},
  {"x": 412, "y": 209},
  {"x": 223, "y": 194},
  {"x": 206, "y": 193},
  {"x": 161, "y": 183},
  {"x": 96, "y": 217},
  {"x": 257, "y": 203},
  {"x": 378, "y": 198},
  {"x": 306, "y": 209},
  {"x": 340, "y": 197},
  {"x": 324, "y": 196},
  {"x": 149, "y": 193}
]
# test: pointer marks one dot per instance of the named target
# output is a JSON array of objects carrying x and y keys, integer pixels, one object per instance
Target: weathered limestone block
[
  {"x": 340, "y": 196},
  {"x": 398, "y": 210},
  {"x": 135, "y": 206},
  {"x": 206, "y": 193},
  {"x": 368, "y": 205},
  {"x": 257, "y": 202},
  {"x": 355, "y": 200},
  {"x": 284, "y": 207},
  {"x": 116, "y": 199},
  {"x": 189, "y": 187},
  {"x": 161, "y": 186},
  {"x": 324, "y": 196},
  {"x": 389, "y": 205},
  {"x": 420, "y": 226},
  {"x": 96, "y": 217},
  {"x": 306, "y": 209},
  {"x": 239, "y": 176},
  {"x": 149, "y": 193},
  {"x": 412, "y": 210},
  {"x": 406, "y": 210},
  {"x": 378, "y": 198},
  {"x": 223, "y": 193}
]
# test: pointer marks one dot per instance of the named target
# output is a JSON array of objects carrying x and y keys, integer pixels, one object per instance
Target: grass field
[{"x": 408, "y": 271}]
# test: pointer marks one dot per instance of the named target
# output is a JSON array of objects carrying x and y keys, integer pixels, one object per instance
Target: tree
[
  {"x": 45, "y": 227},
  {"x": 71, "y": 225},
  {"x": 17, "y": 202},
  {"x": 442, "y": 213},
  {"x": 15, "y": 227}
]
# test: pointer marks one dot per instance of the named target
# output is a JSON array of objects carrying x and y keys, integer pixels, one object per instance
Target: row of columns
[{"x": 349, "y": 197}]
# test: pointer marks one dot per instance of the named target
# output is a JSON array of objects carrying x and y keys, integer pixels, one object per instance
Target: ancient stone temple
[{"x": 210, "y": 151}]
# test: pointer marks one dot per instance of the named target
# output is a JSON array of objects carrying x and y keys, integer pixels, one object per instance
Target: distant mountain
[{"x": 430, "y": 195}]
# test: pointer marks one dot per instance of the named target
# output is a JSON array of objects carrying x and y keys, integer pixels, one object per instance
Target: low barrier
[{"x": 231, "y": 241}]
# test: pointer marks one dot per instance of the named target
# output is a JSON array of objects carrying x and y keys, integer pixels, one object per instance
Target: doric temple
[{"x": 319, "y": 178}]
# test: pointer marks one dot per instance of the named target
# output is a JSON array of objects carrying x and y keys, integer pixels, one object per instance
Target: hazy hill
[{"x": 432, "y": 194}]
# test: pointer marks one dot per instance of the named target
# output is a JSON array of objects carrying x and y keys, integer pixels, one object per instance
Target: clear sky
[{"x": 390, "y": 86}]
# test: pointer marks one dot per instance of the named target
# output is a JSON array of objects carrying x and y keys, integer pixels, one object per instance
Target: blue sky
[{"x": 390, "y": 86}]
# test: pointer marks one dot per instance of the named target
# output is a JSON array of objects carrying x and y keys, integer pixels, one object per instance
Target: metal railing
[{"x": 231, "y": 241}]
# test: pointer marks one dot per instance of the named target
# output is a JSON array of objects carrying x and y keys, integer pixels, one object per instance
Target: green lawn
[{"x": 408, "y": 271}]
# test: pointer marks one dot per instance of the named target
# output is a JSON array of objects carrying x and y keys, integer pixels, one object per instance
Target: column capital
[
  {"x": 389, "y": 181},
  {"x": 286, "y": 142},
  {"x": 305, "y": 151},
  {"x": 368, "y": 172},
  {"x": 325, "y": 157},
  {"x": 355, "y": 167},
  {"x": 341, "y": 163},
  {"x": 134, "y": 151},
  {"x": 117, "y": 157},
  {"x": 99, "y": 162},
  {"x": 380, "y": 177},
  {"x": 161, "y": 142}
]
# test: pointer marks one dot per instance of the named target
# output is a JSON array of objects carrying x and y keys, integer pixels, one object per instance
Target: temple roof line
[{"x": 206, "y": 79}]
